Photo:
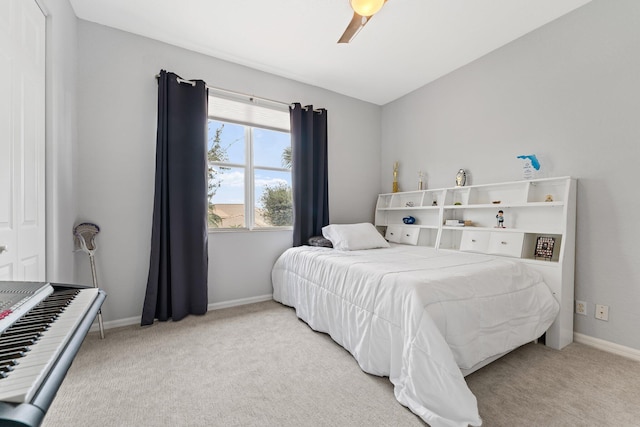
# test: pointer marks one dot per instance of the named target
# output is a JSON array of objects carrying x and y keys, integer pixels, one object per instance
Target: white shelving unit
[{"x": 534, "y": 212}]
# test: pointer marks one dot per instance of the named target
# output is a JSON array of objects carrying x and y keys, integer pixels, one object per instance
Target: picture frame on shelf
[{"x": 544, "y": 247}]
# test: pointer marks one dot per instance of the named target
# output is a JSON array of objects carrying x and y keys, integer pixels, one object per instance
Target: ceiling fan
[{"x": 363, "y": 11}]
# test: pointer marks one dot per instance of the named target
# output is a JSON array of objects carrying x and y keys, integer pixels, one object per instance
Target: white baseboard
[
  {"x": 116, "y": 323},
  {"x": 241, "y": 301},
  {"x": 213, "y": 306},
  {"x": 607, "y": 346}
]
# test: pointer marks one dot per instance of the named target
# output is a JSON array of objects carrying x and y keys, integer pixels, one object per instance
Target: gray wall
[
  {"x": 569, "y": 93},
  {"x": 117, "y": 104}
]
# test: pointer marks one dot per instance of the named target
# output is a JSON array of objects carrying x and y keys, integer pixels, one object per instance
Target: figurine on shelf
[
  {"x": 500, "y": 218},
  {"x": 461, "y": 178},
  {"x": 548, "y": 198},
  {"x": 395, "y": 177},
  {"x": 420, "y": 183},
  {"x": 409, "y": 220}
]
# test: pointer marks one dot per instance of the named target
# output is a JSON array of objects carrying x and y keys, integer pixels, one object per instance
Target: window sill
[{"x": 247, "y": 230}]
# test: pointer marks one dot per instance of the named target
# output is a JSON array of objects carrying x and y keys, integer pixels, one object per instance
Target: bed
[{"x": 422, "y": 317}]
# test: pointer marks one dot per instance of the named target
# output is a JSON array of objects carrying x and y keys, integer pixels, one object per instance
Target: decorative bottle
[{"x": 395, "y": 177}]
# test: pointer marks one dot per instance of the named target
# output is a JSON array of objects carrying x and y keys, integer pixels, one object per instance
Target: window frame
[{"x": 249, "y": 176}]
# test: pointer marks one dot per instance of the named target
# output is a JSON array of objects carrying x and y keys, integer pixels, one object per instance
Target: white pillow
[{"x": 352, "y": 237}]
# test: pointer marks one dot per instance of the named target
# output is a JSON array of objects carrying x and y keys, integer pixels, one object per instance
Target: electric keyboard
[{"x": 37, "y": 349}]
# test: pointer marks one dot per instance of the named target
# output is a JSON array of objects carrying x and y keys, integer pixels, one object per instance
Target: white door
[{"x": 22, "y": 143}]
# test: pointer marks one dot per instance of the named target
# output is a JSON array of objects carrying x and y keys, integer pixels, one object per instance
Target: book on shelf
[{"x": 544, "y": 247}]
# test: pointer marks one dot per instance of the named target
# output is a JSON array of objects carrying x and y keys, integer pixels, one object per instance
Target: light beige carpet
[{"x": 258, "y": 365}]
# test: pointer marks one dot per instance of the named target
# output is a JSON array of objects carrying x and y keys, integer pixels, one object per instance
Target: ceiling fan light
[{"x": 366, "y": 7}]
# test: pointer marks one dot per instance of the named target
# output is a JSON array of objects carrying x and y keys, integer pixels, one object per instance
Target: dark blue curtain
[
  {"x": 309, "y": 172},
  {"x": 177, "y": 282}
]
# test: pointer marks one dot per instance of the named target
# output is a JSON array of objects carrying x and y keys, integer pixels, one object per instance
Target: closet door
[{"x": 22, "y": 141}]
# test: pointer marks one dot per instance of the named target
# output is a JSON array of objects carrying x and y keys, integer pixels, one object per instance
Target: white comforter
[{"x": 417, "y": 315}]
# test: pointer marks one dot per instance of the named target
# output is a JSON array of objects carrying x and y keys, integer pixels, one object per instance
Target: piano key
[
  {"x": 22, "y": 331},
  {"x": 31, "y": 338},
  {"x": 8, "y": 364},
  {"x": 15, "y": 349},
  {"x": 9, "y": 347},
  {"x": 9, "y": 356}
]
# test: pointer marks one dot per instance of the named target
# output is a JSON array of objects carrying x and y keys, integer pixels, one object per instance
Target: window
[{"x": 249, "y": 155}]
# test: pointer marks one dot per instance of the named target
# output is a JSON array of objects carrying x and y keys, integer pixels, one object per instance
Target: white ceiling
[{"x": 408, "y": 44}]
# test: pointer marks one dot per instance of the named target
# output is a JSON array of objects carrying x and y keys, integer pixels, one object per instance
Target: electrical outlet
[
  {"x": 602, "y": 312},
  {"x": 581, "y": 307}
]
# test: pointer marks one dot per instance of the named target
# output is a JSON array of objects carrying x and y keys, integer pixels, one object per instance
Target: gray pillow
[{"x": 319, "y": 241}]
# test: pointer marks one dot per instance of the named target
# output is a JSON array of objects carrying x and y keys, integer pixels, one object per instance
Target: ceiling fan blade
[{"x": 354, "y": 27}]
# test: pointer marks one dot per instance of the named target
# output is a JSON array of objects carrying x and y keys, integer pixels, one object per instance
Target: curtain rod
[{"x": 252, "y": 98}]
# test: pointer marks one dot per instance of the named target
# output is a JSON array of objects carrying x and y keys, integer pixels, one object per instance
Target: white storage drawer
[
  {"x": 506, "y": 244},
  {"x": 405, "y": 235},
  {"x": 394, "y": 233},
  {"x": 474, "y": 241},
  {"x": 410, "y": 235}
]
